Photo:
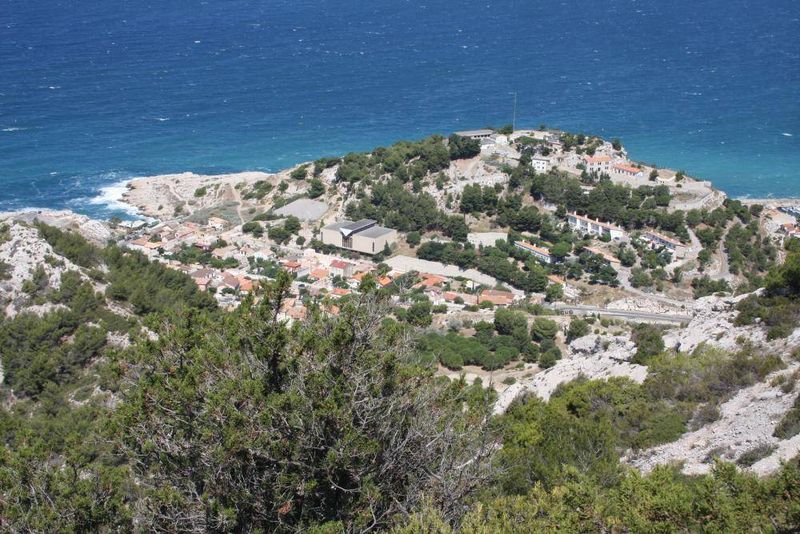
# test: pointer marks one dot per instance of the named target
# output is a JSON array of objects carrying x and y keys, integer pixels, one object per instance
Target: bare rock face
[
  {"x": 24, "y": 251},
  {"x": 713, "y": 325},
  {"x": 746, "y": 422},
  {"x": 619, "y": 348},
  {"x": 594, "y": 357},
  {"x": 639, "y": 304},
  {"x": 95, "y": 231}
]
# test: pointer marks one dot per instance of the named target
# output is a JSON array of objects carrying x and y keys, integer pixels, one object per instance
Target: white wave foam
[
  {"x": 111, "y": 197},
  {"x": 787, "y": 134},
  {"x": 12, "y": 129}
]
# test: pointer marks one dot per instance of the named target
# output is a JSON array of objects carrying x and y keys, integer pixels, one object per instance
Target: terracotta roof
[
  {"x": 319, "y": 274},
  {"x": 597, "y": 159},
  {"x": 339, "y": 264},
  {"x": 627, "y": 168},
  {"x": 245, "y": 284},
  {"x": 340, "y": 291},
  {"x": 432, "y": 280},
  {"x": 297, "y": 313},
  {"x": 496, "y": 297}
]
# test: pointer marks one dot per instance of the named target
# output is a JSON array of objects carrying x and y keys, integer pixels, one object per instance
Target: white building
[
  {"x": 362, "y": 236},
  {"x": 659, "y": 240},
  {"x": 540, "y": 253},
  {"x": 597, "y": 164},
  {"x": 342, "y": 268},
  {"x": 585, "y": 225},
  {"x": 628, "y": 170},
  {"x": 541, "y": 164}
]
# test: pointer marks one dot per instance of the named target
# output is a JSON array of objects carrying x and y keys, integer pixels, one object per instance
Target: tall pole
[{"x": 514, "y": 116}]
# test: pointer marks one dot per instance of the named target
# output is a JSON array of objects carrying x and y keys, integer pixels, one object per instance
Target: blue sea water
[{"x": 96, "y": 91}]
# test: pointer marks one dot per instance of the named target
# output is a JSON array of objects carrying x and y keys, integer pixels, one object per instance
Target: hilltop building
[
  {"x": 362, "y": 236},
  {"x": 597, "y": 164},
  {"x": 484, "y": 133}
]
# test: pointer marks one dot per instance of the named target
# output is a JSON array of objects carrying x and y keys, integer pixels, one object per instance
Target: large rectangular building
[
  {"x": 586, "y": 225},
  {"x": 362, "y": 236},
  {"x": 483, "y": 133}
]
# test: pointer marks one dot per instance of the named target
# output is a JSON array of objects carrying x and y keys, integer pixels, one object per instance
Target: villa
[{"x": 597, "y": 163}]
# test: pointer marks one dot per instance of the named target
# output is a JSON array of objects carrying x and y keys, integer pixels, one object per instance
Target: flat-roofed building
[
  {"x": 540, "y": 253},
  {"x": 362, "y": 236},
  {"x": 586, "y": 225},
  {"x": 541, "y": 164},
  {"x": 483, "y": 133}
]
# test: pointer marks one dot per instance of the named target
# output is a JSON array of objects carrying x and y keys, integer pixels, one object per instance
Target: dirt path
[{"x": 238, "y": 198}]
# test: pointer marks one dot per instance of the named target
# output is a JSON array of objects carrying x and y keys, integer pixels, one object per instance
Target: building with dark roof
[
  {"x": 483, "y": 133},
  {"x": 362, "y": 236}
]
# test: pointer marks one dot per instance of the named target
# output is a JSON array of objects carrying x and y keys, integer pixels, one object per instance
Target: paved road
[
  {"x": 624, "y": 276},
  {"x": 622, "y": 314}
]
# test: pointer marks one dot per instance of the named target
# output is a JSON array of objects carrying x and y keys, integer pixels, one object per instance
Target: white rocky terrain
[
  {"x": 639, "y": 304},
  {"x": 23, "y": 250},
  {"x": 592, "y": 356},
  {"x": 713, "y": 325},
  {"x": 95, "y": 231},
  {"x": 746, "y": 421}
]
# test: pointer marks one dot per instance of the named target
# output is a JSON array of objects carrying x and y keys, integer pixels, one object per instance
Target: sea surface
[{"x": 94, "y": 92}]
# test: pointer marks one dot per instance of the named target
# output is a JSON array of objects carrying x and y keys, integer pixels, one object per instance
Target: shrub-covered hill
[{"x": 236, "y": 421}]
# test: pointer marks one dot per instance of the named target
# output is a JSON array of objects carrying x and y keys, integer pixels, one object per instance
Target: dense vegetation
[
  {"x": 496, "y": 344},
  {"x": 237, "y": 421},
  {"x": 779, "y": 307}
]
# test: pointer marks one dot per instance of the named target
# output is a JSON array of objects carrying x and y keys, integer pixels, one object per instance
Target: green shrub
[
  {"x": 648, "y": 340},
  {"x": 300, "y": 172},
  {"x": 543, "y": 329},
  {"x": 789, "y": 426},
  {"x": 754, "y": 455}
]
